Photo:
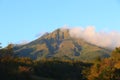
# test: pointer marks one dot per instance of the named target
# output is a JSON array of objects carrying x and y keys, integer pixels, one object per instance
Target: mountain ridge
[{"x": 60, "y": 45}]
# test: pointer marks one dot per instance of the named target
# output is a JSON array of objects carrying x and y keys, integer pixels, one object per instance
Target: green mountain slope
[{"x": 59, "y": 45}]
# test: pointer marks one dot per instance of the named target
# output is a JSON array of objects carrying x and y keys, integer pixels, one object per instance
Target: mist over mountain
[
  {"x": 61, "y": 44},
  {"x": 103, "y": 39}
]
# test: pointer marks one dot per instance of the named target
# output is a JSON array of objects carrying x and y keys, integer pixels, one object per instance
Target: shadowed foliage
[{"x": 24, "y": 68}]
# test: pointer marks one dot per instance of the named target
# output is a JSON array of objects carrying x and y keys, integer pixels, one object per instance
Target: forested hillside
[{"x": 16, "y": 68}]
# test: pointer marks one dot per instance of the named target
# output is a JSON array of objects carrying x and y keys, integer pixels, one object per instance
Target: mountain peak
[
  {"x": 60, "y": 45},
  {"x": 59, "y": 34}
]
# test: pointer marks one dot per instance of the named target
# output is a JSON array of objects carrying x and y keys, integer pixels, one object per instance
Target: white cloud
[
  {"x": 102, "y": 39},
  {"x": 23, "y": 42},
  {"x": 41, "y": 34}
]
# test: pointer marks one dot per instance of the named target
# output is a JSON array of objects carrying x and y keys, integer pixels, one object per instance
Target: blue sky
[{"x": 24, "y": 19}]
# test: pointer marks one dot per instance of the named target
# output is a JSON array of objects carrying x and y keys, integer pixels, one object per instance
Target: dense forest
[{"x": 15, "y": 68}]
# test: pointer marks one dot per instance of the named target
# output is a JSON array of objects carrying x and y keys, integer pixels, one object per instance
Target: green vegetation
[
  {"x": 15, "y": 68},
  {"x": 59, "y": 44},
  {"x": 107, "y": 69},
  {"x": 18, "y": 68}
]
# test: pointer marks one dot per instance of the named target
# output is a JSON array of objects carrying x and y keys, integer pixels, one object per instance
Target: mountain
[{"x": 60, "y": 45}]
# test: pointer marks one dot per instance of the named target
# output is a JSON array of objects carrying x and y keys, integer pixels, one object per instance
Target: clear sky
[{"x": 24, "y": 19}]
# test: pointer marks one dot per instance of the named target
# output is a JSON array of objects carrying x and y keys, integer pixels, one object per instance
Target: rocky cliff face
[{"x": 60, "y": 45}]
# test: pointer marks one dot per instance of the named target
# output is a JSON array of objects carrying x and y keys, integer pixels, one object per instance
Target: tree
[
  {"x": 0, "y": 46},
  {"x": 116, "y": 54},
  {"x": 10, "y": 50},
  {"x": 7, "y": 51}
]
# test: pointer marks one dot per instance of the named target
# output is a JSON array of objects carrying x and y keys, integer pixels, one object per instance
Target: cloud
[
  {"x": 41, "y": 34},
  {"x": 23, "y": 42},
  {"x": 103, "y": 39}
]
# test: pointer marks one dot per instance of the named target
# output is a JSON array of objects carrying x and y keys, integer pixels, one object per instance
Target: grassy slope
[{"x": 59, "y": 44}]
